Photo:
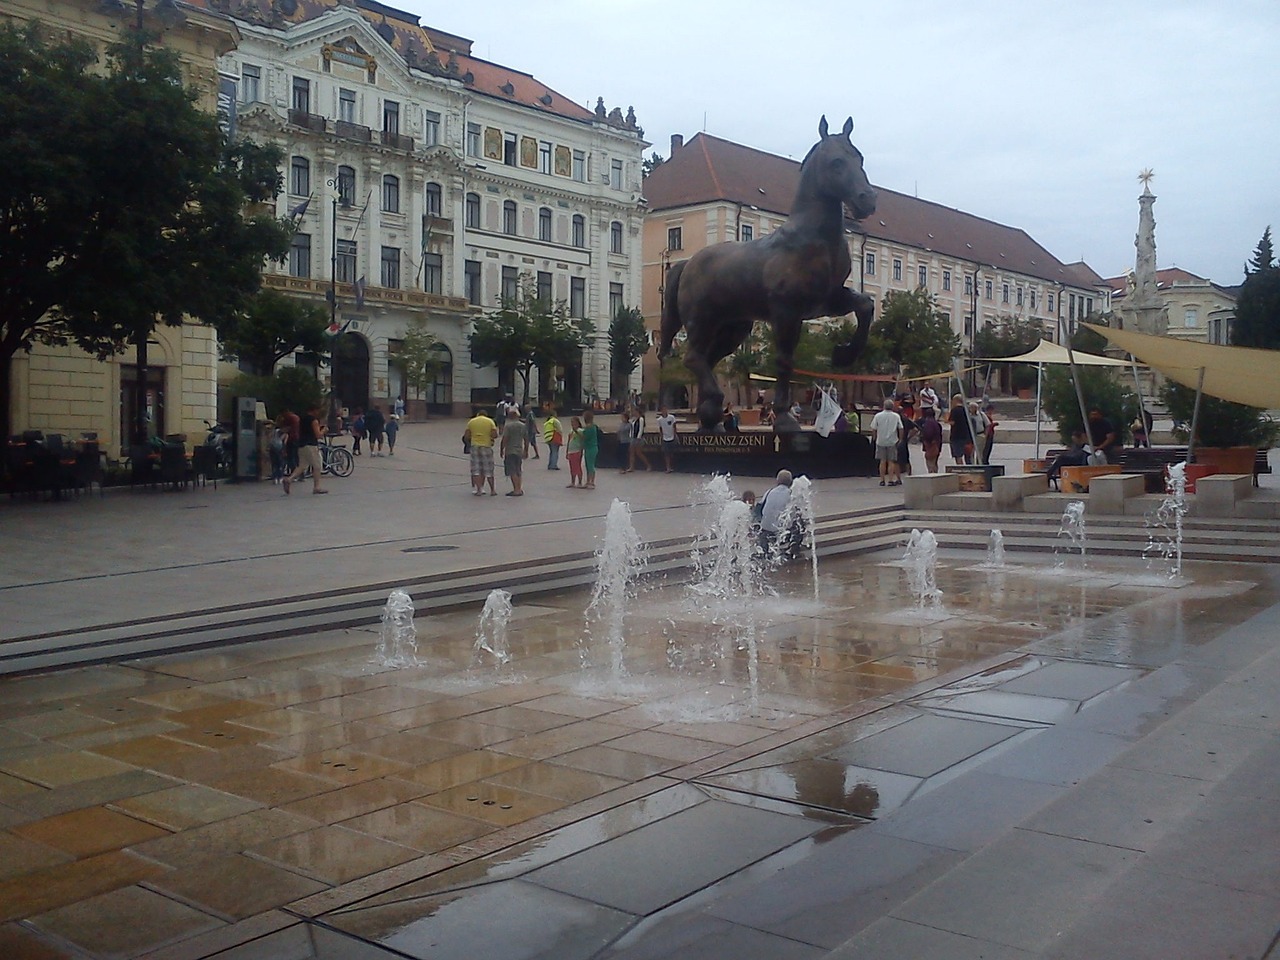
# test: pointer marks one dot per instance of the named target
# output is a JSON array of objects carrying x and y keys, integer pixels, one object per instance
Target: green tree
[
  {"x": 292, "y": 388},
  {"x": 1103, "y": 388},
  {"x": 1221, "y": 423},
  {"x": 526, "y": 331},
  {"x": 912, "y": 332},
  {"x": 272, "y": 327},
  {"x": 1007, "y": 337},
  {"x": 628, "y": 343},
  {"x": 1257, "y": 322},
  {"x": 420, "y": 357},
  {"x": 121, "y": 207}
]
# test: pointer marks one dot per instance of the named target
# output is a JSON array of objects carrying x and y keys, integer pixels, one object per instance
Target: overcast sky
[{"x": 1037, "y": 115}]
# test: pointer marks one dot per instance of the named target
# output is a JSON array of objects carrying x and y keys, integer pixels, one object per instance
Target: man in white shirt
[
  {"x": 886, "y": 434},
  {"x": 929, "y": 399},
  {"x": 667, "y": 427}
]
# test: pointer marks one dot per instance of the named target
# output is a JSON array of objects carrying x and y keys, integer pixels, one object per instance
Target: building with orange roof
[
  {"x": 1198, "y": 309},
  {"x": 426, "y": 181},
  {"x": 711, "y": 190}
]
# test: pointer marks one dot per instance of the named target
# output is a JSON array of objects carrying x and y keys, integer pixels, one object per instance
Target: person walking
[
  {"x": 292, "y": 431},
  {"x": 392, "y": 428},
  {"x": 357, "y": 432},
  {"x": 310, "y": 431},
  {"x": 514, "y": 449},
  {"x": 930, "y": 439},
  {"x": 590, "y": 447},
  {"x": 531, "y": 431},
  {"x": 624, "y": 441},
  {"x": 573, "y": 450},
  {"x": 480, "y": 434},
  {"x": 909, "y": 426},
  {"x": 886, "y": 434},
  {"x": 667, "y": 428},
  {"x": 961, "y": 432},
  {"x": 553, "y": 438},
  {"x": 374, "y": 423},
  {"x": 990, "y": 415},
  {"x": 636, "y": 450}
]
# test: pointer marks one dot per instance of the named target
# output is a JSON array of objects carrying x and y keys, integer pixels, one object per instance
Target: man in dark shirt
[
  {"x": 374, "y": 424},
  {"x": 1103, "y": 436},
  {"x": 1075, "y": 457},
  {"x": 312, "y": 429}
]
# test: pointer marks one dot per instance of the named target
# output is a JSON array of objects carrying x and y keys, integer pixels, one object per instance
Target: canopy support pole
[
  {"x": 1075, "y": 381},
  {"x": 1039, "y": 383},
  {"x": 1195, "y": 419},
  {"x": 1142, "y": 401},
  {"x": 964, "y": 400}
]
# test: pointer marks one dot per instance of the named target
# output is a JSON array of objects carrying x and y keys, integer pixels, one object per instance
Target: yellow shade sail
[{"x": 1239, "y": 374}]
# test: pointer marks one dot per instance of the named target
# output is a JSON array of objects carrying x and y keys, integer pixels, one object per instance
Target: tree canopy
[
  {"x": 1257, "y": 322},
  {"x": 420, "y": 357},
  {"x": 912, "y": 332},
  {"x": 628, "y": 343},
  {"x": 272, "y": 326},
  {"x": 526, "y": 331},
  {"x": 122, "y": 207}
]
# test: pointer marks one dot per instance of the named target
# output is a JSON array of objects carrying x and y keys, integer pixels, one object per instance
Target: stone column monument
[{"x": 1143, "y": 309}]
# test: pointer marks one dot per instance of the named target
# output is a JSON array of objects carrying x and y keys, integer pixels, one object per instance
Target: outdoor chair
[
  {"x": 173, "y": 465},
  {"x": 204, "y": 465},
  {"x": 89, "y": 469},
  {"x": 142, "y": 469}
]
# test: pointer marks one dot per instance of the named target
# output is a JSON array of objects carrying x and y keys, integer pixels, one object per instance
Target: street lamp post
[
  {"x": 973, "y": 331},
  {"x": 333, "y": 304}
]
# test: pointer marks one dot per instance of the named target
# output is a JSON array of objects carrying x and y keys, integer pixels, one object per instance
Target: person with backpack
[{"x": 374, "y": 424}]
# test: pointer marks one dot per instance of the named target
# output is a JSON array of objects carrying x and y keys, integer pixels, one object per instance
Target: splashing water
[
  {"x": 1165, "y": 522},
  {"x": 491, "y": 633},
  {"x": 921, "y": 563},
  {"x": 727, "y": 565},
  {"x": 1072, "y": 527},
  {"x": 397, "y": 641},
  {"x": 619, "y": 562},
  {"x": 798, "y": 521},
  {"x": 995, "y": 550}
]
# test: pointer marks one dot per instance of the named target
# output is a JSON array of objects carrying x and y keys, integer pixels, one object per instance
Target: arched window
[
  {"x": 579, "y": 230},
  {"x": 391, "y": 194},
  {"x": 509, "y": 217},
  {"x": 544, "y": 224},
  {"x": 346, "y": 186},
  {"x": 300, "y": 177},
  {"x": 433, "y": 198},
  {"x": 473, "y": 210},
  {"x": 615, "y": 237}
]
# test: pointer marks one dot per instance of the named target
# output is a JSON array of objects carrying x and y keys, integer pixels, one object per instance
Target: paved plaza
[{"x": 1054, "y": 762}]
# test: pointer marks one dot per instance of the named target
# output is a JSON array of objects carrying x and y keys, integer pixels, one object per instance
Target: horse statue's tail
[{"x": 671, "y": 322}]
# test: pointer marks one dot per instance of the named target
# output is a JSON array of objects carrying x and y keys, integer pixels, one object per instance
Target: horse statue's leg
[
  {"x": 863, "y": 307},
  {"x": 710, "y": 396},
  {"x": 786, "y": 335}
]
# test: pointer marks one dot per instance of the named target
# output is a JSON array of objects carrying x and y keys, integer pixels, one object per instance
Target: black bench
[{"x": 1154, "y": 460}]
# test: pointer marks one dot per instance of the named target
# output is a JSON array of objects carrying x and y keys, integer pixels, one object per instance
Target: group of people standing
[{"x": 972, "y": 433}]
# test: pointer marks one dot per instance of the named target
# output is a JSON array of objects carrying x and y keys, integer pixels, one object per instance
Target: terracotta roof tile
[{"x": 708, "y": 169}]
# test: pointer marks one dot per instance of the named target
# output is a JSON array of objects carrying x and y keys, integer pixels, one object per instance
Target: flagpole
[{"x": 333, "y": 299}]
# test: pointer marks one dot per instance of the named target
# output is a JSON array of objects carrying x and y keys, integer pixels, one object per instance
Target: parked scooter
[{"x": 220, "y": 440}]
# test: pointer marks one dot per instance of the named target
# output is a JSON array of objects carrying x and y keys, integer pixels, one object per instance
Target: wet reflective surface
[{"x": 543, "y": 808}]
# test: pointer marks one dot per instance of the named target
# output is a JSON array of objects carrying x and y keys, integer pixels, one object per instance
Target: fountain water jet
[
  {"x": 798, "y": 523},
  {"x": 995, "y": 550},
  {"x": 921, "y": 564},
  {"x": 1165, "y": 523},
  {"x": 1072, "y": 527},
  {"x": 619, "y": 562},
  {"x": 491, "y": 633},
  {"x": 397, "y": 641}
]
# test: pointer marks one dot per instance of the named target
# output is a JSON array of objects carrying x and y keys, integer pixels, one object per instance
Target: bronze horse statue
[{"x": 794, "y": 274}]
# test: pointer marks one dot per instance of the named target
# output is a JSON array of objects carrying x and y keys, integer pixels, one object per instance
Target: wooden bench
[
  {"x": 1076, "y": 479},
  {"x": 1155, "y": 460}
]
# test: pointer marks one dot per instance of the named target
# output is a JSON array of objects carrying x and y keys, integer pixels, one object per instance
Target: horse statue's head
[{"x": 836, "y": 165}]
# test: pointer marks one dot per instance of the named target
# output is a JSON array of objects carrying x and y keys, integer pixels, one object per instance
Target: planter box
[{"x": 1228, "y": 459}]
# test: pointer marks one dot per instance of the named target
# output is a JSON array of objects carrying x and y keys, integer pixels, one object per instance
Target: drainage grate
[{"x": 435, "y": 548}]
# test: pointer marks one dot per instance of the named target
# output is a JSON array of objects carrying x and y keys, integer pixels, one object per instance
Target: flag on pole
[
  {"x": 363, "y": 211},
  {"x": 297, "y": 212},
  {"x": 359, "y": 294},
  {"x": 335, "y": 329}
]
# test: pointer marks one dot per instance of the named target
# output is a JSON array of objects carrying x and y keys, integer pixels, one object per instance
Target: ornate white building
[{"x": 426, "y": 181}]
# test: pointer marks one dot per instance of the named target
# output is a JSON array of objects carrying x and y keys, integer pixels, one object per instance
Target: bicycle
[{"x": 334, "y": 460}]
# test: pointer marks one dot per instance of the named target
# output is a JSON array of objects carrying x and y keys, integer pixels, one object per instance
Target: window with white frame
[
  {"x": 615, "y": 174},
  {"x": 580, "y": 166},
  {"x": 615, "y": 299},
  {"x": 346, "y": 272},
  {"x": 472, "y": 210},
  {"x": 433, "y": 200},
  {"x": 346, "y": 105},
  {"x": 922, "y": 276},
  {"x": 1050, "y": 302},
  {"x": 250, "y": 83},
  {"x": 869, "y": 265},
  {"x": 746, "y": 232},
  {"x": 1004, "y": 293},
  {"x": 391, "y": 267},
  {"x": 615, "y": 237},
  {"x": 987, "y": 287},
  {"x": 946, "y": 280},
  {"x": 509, "y": 149},
  {"x": 675, "y": 238},
  {"x": 1020, "y": 296},
  {"x": 346, "y": 186},
  {"x": 390, "y": 194},
  {"x": 968, "y": 286},
  {"x": 390, "y": 117},
  {"x": 302, "y": 94},
  {"x": 1033, "y": 299},
  {"x": 510, "y": 217},
  {"x": 577, "y": 297},
  {"x": 300, "y": 177},
  {"x": 300, "y": 255},
  {"x": 433, "y": 273},
  {"x": 544, "y": 286},
  {"x": 897, "y": 268},
  {"x": 544, "y": 224},
  {"x": 430, "y": 128},
  {"x": 579, "y": 230},
  {"x": 544, "y": 156},
  {"x": 510, "y": 283},
  {"x": 471, "y": 279},
  {"x": 473, "y": 139},
  {"x": 1190, "y": 317}
]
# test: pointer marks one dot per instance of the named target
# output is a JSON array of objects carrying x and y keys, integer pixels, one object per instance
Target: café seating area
[{"x": 41, "y": 466}]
